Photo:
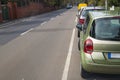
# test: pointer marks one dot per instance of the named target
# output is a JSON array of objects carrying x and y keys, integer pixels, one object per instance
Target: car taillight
[
  {"x": 88, "y": 46},
  {"x": 81, "y": 21}
]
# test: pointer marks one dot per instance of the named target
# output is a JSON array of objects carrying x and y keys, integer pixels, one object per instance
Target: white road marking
[
  {"x": 43, "y": 23},
  {"x": 67, "y": 64},
  {"x": 52, "y": 18},
  {"x": 76, "y": 19},
  {"x": 26, "y": 32},
  {"x": 26, "y": 20},
  {"x": 23, "y": 79}
]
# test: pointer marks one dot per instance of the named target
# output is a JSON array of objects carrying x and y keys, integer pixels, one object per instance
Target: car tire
[
  {"x": 85, "y": 74},
  {"x": 79, "y": 45},
  {"x": 78, "y": 34}
]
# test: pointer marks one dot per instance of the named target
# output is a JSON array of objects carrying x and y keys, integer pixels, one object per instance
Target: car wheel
[
  {"x": 78, "y": 33},
  {"x": 85, "y": 74},
  {"x": 79, "y": 45}
]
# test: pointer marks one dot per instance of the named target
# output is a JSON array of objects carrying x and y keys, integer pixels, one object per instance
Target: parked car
[
  {"x": 82, "y": 15},
  {"x": 100, "y": 43},
  {"x": 69, "y": 6}
]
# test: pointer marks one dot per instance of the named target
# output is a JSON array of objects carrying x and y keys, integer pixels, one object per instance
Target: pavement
[
  {"x": 8, "y": 22},
  {"x": 5, "y": 23}
]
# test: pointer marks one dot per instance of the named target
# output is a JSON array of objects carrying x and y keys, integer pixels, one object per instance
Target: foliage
[
  {"x": 92, "y": 2},
  {"x": 102, "y": 2},
  {"x": 63, "y": 2},
  {"x": 4, "y": 1},
  {"x": 114, "y": 2},
  {"x": 50, "y": 2}
]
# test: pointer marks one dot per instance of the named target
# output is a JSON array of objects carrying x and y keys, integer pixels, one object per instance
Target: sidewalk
[{"x": 8, "y": 22}]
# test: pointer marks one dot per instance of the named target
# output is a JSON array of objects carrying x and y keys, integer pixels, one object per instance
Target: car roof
[
  {"x": 103, "y": 14},
  {"x": 92, "y": 7}
]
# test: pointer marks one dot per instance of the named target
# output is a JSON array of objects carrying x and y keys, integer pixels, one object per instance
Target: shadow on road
[{"x": 103, "y": 77}]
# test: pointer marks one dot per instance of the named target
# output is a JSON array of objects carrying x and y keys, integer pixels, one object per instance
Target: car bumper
[{"x": 90, "y": 66}]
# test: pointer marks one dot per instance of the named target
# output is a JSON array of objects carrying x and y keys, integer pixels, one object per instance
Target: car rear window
[{"x": 106, "y": 28}]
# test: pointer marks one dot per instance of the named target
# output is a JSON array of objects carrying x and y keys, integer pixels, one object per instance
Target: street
[
  {"x": 36, "y": 48},
  {"x": 42, "y": 47}
]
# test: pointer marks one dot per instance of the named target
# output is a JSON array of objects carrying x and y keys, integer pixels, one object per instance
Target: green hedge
[{"x": 117, "y": 8}]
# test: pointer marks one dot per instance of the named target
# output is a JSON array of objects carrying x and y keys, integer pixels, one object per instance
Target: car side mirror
[{"x": 79, "y": 27}]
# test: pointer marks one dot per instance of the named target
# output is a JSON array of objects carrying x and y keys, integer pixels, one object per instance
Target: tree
[
  {"x": 92, "y": 2},
  {"x": 101, "y": 3},
  {"x": 110, "y": 2},
  {"x": 114, "y": 2},
  {"x": 4, "y": 1}
]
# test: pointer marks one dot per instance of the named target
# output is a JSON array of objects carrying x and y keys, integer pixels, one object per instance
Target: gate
[{"x": 5, "y": 12}]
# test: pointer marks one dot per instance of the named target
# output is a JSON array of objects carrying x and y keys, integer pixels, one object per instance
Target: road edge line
[{"x": 67, "y": 63}]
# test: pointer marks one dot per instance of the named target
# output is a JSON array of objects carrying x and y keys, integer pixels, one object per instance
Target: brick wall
[{"x": 32, "y": 9}]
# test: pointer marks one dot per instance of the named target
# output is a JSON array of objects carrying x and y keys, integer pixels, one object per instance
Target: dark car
[{"x": 69, "y": 6}]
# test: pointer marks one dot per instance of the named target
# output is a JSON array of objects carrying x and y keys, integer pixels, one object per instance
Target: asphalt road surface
[{"x": 42, "y": 47}]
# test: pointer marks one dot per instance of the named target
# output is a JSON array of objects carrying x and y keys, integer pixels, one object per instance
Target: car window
[
  {"x": 92, "y": 31},
  {"x": 87, "y": 21},
  {"x": 106, "y": 29},
  {"x": 85, "y": 12}
]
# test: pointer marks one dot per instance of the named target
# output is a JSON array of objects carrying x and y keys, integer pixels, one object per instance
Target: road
[{"x": 42, "y": 47}]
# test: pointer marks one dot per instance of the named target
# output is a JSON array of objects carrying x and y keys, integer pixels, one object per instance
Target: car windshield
[{"x": 106, "y": 28}]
